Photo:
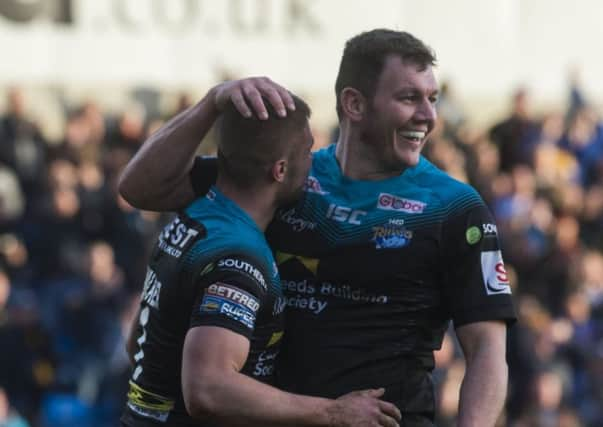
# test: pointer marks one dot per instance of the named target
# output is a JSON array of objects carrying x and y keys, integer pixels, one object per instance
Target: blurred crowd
[
  {"x": 542, "y": 177},
  {"x": 73, "y": 258}
]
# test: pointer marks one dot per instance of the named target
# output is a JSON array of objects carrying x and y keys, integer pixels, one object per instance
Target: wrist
[
  {"x": 207, "y": 107},
  {"x": 327, "y": 413}
]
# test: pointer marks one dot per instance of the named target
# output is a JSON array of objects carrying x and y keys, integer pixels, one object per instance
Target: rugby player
[
  {"x": 383, "y": 250},
  {"x": 210, "y": 321}
]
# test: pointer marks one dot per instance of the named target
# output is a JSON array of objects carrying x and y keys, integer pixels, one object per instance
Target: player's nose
[{"x": 426, "y": 111}]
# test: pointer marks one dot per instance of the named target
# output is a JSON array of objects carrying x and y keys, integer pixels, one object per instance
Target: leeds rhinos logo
[
  {"x": 392, "y": 235},
  {"x": 312, "y": 185},
  {"x": 389, "y": 202},
  {"x": 496, "y": 279}
]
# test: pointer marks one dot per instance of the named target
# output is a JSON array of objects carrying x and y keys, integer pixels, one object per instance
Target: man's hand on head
[{"x": 246, "y": 95}]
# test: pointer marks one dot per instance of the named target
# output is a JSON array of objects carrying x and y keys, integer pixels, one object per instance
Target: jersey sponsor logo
[
  {"x": 345, "y": 214},
  {"x": 489, "y": 229},
  {"x": 233, "y": 294},
  {"x": 176, "y": 237},
  {"x": 279, "y": 306},
  {"x": 297, "y": 224},
  {"x": 473, "y": 235},
  {"x": 220, "y": 305},
  {"x": 391, "y": 236},
  {"x": 248, "y": 269},
  {"x": 151, "y": 289},
  {"x": 312, "y": 185},
  {"x": 351, "y": 293},
  {"x": 209, "y": 305},
  {"x": 496, "y": 279},
  {"x": 264, "y": 367},
  {"x": 390, "y": 202}
]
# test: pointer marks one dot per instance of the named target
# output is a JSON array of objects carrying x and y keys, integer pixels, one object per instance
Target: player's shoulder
[
  {"x": 453, "y": 194},
  {"x": 228, "y": 230}
]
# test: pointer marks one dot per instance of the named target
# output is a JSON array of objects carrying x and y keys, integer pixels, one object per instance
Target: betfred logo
[
  {"x": 234, "y": 294},
  {"x": 312, "y": 185},
  {"x": 389, "y": 202},
  {"x": 496, "y": 279}
]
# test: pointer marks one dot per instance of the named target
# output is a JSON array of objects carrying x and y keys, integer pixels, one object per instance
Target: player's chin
[{"x": 409, "y": 158}]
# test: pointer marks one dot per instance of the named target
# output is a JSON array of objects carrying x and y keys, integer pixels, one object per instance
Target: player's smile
[
  {"x": 413, "y": 138},
  {"x": 402, "y": 112}
]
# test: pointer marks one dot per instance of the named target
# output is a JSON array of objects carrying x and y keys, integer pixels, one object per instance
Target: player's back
[{"x": 211, "y": 266}]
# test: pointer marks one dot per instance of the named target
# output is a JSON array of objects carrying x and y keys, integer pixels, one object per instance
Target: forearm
[
  {"x": 163, "y": 163},
  {"x": 235, "y": 399},
  {"x": 483, "y": 390}
]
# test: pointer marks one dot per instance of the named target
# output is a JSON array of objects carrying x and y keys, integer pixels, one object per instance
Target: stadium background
[{"x": 83, "y": 82}]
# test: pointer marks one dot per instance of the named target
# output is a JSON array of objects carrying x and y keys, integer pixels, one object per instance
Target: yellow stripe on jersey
[
  {"x": 145, "y": 399},
  {"x": 310, "y": 263}
]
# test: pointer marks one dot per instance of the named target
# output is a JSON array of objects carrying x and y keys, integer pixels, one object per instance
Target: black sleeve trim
[{"x": 505, "y": 313}]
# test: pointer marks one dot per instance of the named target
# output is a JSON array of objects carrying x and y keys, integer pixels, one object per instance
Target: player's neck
[
  {"x": 357, "y": 159},
  {"x": 259, "y": 204}
]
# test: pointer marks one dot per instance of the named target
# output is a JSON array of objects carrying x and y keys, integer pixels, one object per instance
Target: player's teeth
[{"x": 413, "y": 134}]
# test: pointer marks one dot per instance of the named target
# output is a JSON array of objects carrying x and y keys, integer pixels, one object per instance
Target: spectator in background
[
  {"x": 69, "y": 203},
  {"x": 584, "y": 140},
  {"x": 26, "y": 359},
  {"x": 516, "y": 135},
  {"x": 22, "y": 146}
]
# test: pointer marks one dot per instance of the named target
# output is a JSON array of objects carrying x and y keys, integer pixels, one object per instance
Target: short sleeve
[
  {"x": 230, "y": 293},
  {"x": 203, "y": 174},
  {"x": 476, "y": 284}
]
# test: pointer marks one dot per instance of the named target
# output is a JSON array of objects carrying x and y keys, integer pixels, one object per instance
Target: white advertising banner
[{"x": 485, "y": 47}]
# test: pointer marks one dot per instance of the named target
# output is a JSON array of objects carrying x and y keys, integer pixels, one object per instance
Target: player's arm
[
  {"x": 213, "y": 388},
  {"x": 478, "y": 295},
  {"x": 157, "y": 177},
  {"x": 484, "y": 386}
]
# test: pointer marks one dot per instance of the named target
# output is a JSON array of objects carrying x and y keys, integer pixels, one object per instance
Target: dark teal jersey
[
  {"x": 373, "y": 272},
  {"x": 211, "y": 267}
]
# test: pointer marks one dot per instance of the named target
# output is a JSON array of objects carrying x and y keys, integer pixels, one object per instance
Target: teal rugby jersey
[
  {"x": 211, "y": 266},
  {"x": 373, "y": 271}
]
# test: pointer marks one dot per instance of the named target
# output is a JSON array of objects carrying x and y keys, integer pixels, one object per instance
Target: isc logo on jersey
[
  {"x": 496, "y": 279},
  {"x": 389, "y": 202},
  {"x": 345, "y": 214}
]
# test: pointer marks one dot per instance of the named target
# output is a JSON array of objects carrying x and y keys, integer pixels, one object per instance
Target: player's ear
[
  {"x": 279, "y": 170},
  {"x": 353, "y": 104}
]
